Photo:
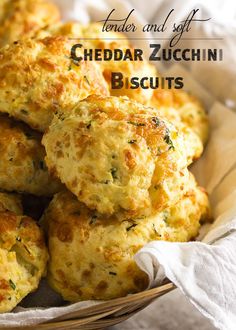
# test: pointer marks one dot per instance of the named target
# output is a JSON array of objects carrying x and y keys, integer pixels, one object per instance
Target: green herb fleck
[
  {"x": 26, "y": 248},
  {"x": 89, "y": 125},
  {"x": 24, "y": 112},
  {"x": 159, "y": 151},
  {"x": 135, "y": 123},
  {"x": 156, "y": 121},
  {"x": 114, "y": 172},
  {"x": 165, "y": 216},
  {"x": 154, "y": 228},
  {"x": 132, "y": 226},
  {"x": 29, "y": 136},
  {"x": 93, "y": 219},
  {"x": 42, "y": 165},
  {"x": 20, "y": 224},
  {"x": 113, "y": 273},
  {"x": 168, "y": 140},
  {"x": 132, "y": 141},
  {"x": 87, "y": 81},
  {"x": 105, "y": 181},
  {"x": 12, "y": 284},
  {"x": 60, "y": 116}
]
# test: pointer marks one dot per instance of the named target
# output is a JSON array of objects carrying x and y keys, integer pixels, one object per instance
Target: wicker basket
[{"x": 106, "y": 314}]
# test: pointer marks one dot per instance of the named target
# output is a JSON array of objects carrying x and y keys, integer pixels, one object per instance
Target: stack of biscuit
[{"x": 114, "y": 163}]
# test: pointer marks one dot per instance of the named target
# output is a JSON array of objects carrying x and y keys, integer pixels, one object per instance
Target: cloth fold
[{"x": 201, "y": 271}]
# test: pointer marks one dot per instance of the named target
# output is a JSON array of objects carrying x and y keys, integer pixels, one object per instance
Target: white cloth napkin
[{"x": 204, "y": 271}]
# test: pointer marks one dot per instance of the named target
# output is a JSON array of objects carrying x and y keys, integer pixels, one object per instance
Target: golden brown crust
[
  {"x": 38, "y": 77},
  {"x": 22, "y": 166},
  {"x": 23, "y": 258},
  {"x": 92, "y": 37},
  {"x": 177, "y": 105},
  {"x": 115, "y": 154},
  {"x": 22, "y": 18},
  {"x": 91, "y": 256}
]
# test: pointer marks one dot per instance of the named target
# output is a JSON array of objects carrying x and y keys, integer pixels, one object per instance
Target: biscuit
[
  {"x": 23, "y": 256},
  {"x": 92, "y": 257},
  {"x": 38, "y": 77},
  {"x": 115, "y": 154},
  {"x": 22, "y": 166},
  {"x": 22, "y": 18}
]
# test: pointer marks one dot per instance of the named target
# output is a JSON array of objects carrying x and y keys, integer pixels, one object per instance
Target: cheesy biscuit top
[
  {"x": 22, "y": 18},
  {"x": 22, "y": 165},
  {"x": 115, "y": 154},
  {"x": 92, "y": 256},
  {"x": 38, "y": 76},
  {"x": 23, "y": 256}
]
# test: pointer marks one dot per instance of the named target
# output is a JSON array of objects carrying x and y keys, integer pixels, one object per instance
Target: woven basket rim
[
  {"x": 122, "y": 301},
  {"x": 106, "y": 313}
]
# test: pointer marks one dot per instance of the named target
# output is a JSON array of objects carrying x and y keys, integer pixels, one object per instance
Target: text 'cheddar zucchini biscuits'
[
  {"x": 22, "y": 18},
  {"x": 94, "y": 41},
  {"x": 23, "y": 256},
  {"x": 22, "y": 166},
  {"x": 38, "y": 76},
  {"x": 115, "y": 154},
  {"x": 92, "y": 256}
]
